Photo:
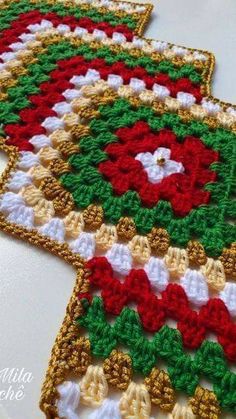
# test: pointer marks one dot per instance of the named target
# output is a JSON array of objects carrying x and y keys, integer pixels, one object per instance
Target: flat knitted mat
[{"x": 123, "y": 164}]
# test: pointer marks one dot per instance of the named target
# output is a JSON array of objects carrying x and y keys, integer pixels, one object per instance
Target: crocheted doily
[{"x": 122, "y": 164}]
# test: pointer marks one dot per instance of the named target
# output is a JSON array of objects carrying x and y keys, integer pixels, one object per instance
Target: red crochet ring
[{"x": 184, "y": 190}]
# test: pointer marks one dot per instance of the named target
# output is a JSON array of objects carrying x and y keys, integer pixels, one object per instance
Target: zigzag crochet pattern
[{"x": 123, "y": 164}]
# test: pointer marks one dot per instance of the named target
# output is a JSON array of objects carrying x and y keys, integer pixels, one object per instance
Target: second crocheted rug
[{"x": 122, "y": 164}]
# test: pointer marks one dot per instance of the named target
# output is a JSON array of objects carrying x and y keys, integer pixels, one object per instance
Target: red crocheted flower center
[{"x": 183, "y": 190}]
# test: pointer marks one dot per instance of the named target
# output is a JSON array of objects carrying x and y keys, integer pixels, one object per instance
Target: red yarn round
[{"x": 194, "y": 326}]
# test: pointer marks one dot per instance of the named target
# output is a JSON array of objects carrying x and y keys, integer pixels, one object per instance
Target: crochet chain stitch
[{"x": 122, "y": 164}]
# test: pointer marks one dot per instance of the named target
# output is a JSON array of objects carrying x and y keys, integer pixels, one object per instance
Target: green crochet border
[{"x": 185, "y": 370}]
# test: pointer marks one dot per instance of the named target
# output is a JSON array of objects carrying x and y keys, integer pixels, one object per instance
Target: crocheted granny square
[{"x": 123, "y": 164}]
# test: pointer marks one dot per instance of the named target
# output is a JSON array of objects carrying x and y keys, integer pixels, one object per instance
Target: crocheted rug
[{"x": 122, "y": 164}]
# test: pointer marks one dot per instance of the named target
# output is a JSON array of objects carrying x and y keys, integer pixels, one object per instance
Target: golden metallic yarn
[
  {"x": 78, "y": 131},
  {"x": 134, "y": 100},
  {"x": 75, "y": 352},
  {"x": 126, "y": 228},
  {"x": 70, "y": 353},
  {"x": 196, "y": 253},
  {"x": 228, "y": 260},
  {"x": 204, "y": 404},
  {"x": 13, "y": 157},
  {"x": 58, "y": 167},
  {"x": 147, "y": 97},
  {"x": 3, "y": 96},
  {"x": 118, "y": 369},
  {"x": 159, "y": 240},
  {"x": 68, "y": 148},
  {"x": 93, "y": 216},
  {"x": 51, "y": 188},
  {"x": 63, "y": 202},
  {"x": 43, "y": 209},
  {"x": 160, "y": 389},
  {"x": 87, "y": 113}
]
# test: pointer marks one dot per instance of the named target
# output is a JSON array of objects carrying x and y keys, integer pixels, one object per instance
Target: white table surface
[{"x": 36, "y": 286}]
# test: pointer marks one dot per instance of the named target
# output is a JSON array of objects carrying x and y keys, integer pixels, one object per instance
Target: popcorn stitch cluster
[{"x": 122, "y": 163}]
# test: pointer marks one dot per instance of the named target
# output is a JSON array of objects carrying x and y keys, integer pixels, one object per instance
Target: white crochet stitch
[
  {"x": 211, "y": 107},
  {"x": 159, "y": 46},
  {"x": 118, "y": 38},
  {"x": 108, "y": 410},
  {"x": 195, "y": 287},
  {"x": 40, "y": 27},
  {"x": 160, "y": 91},
  {"x": 17, "y": 46},
  {"x": 157, "y": 273},
  {"x": 54, "y": 229},
  {"x": 62, "y": 28},
  {"x": 10, "y": 202},
  {"x": 62, "y": 108},
  {"x": 114, "y": 81},
  {"x": 52, "y": 123},
  {"x": 99, "y": 35},
  {"x": 18, "y": 180},
  {"x": 186, "y": 99},
  {"x": 27, "y": 37},
  {"x": 40, "y": 141},
  {"x": 84, "y": 245},
  {"x": 69, "y": 400},
  {"x": 228, "y": 295},
  {"x": 27, "y": 160},
  {"x": 7, "y": 56},
  {"x": 120, "y": 258},
  {"x": 22, "y": 215},
  {"x": 80, "y": 32},
  {"x": 71, "y": 94},
  {"x": 91, "y": 77},
  {"x": 159, "y": 165},
  {"x": 137, "y": 85}
]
